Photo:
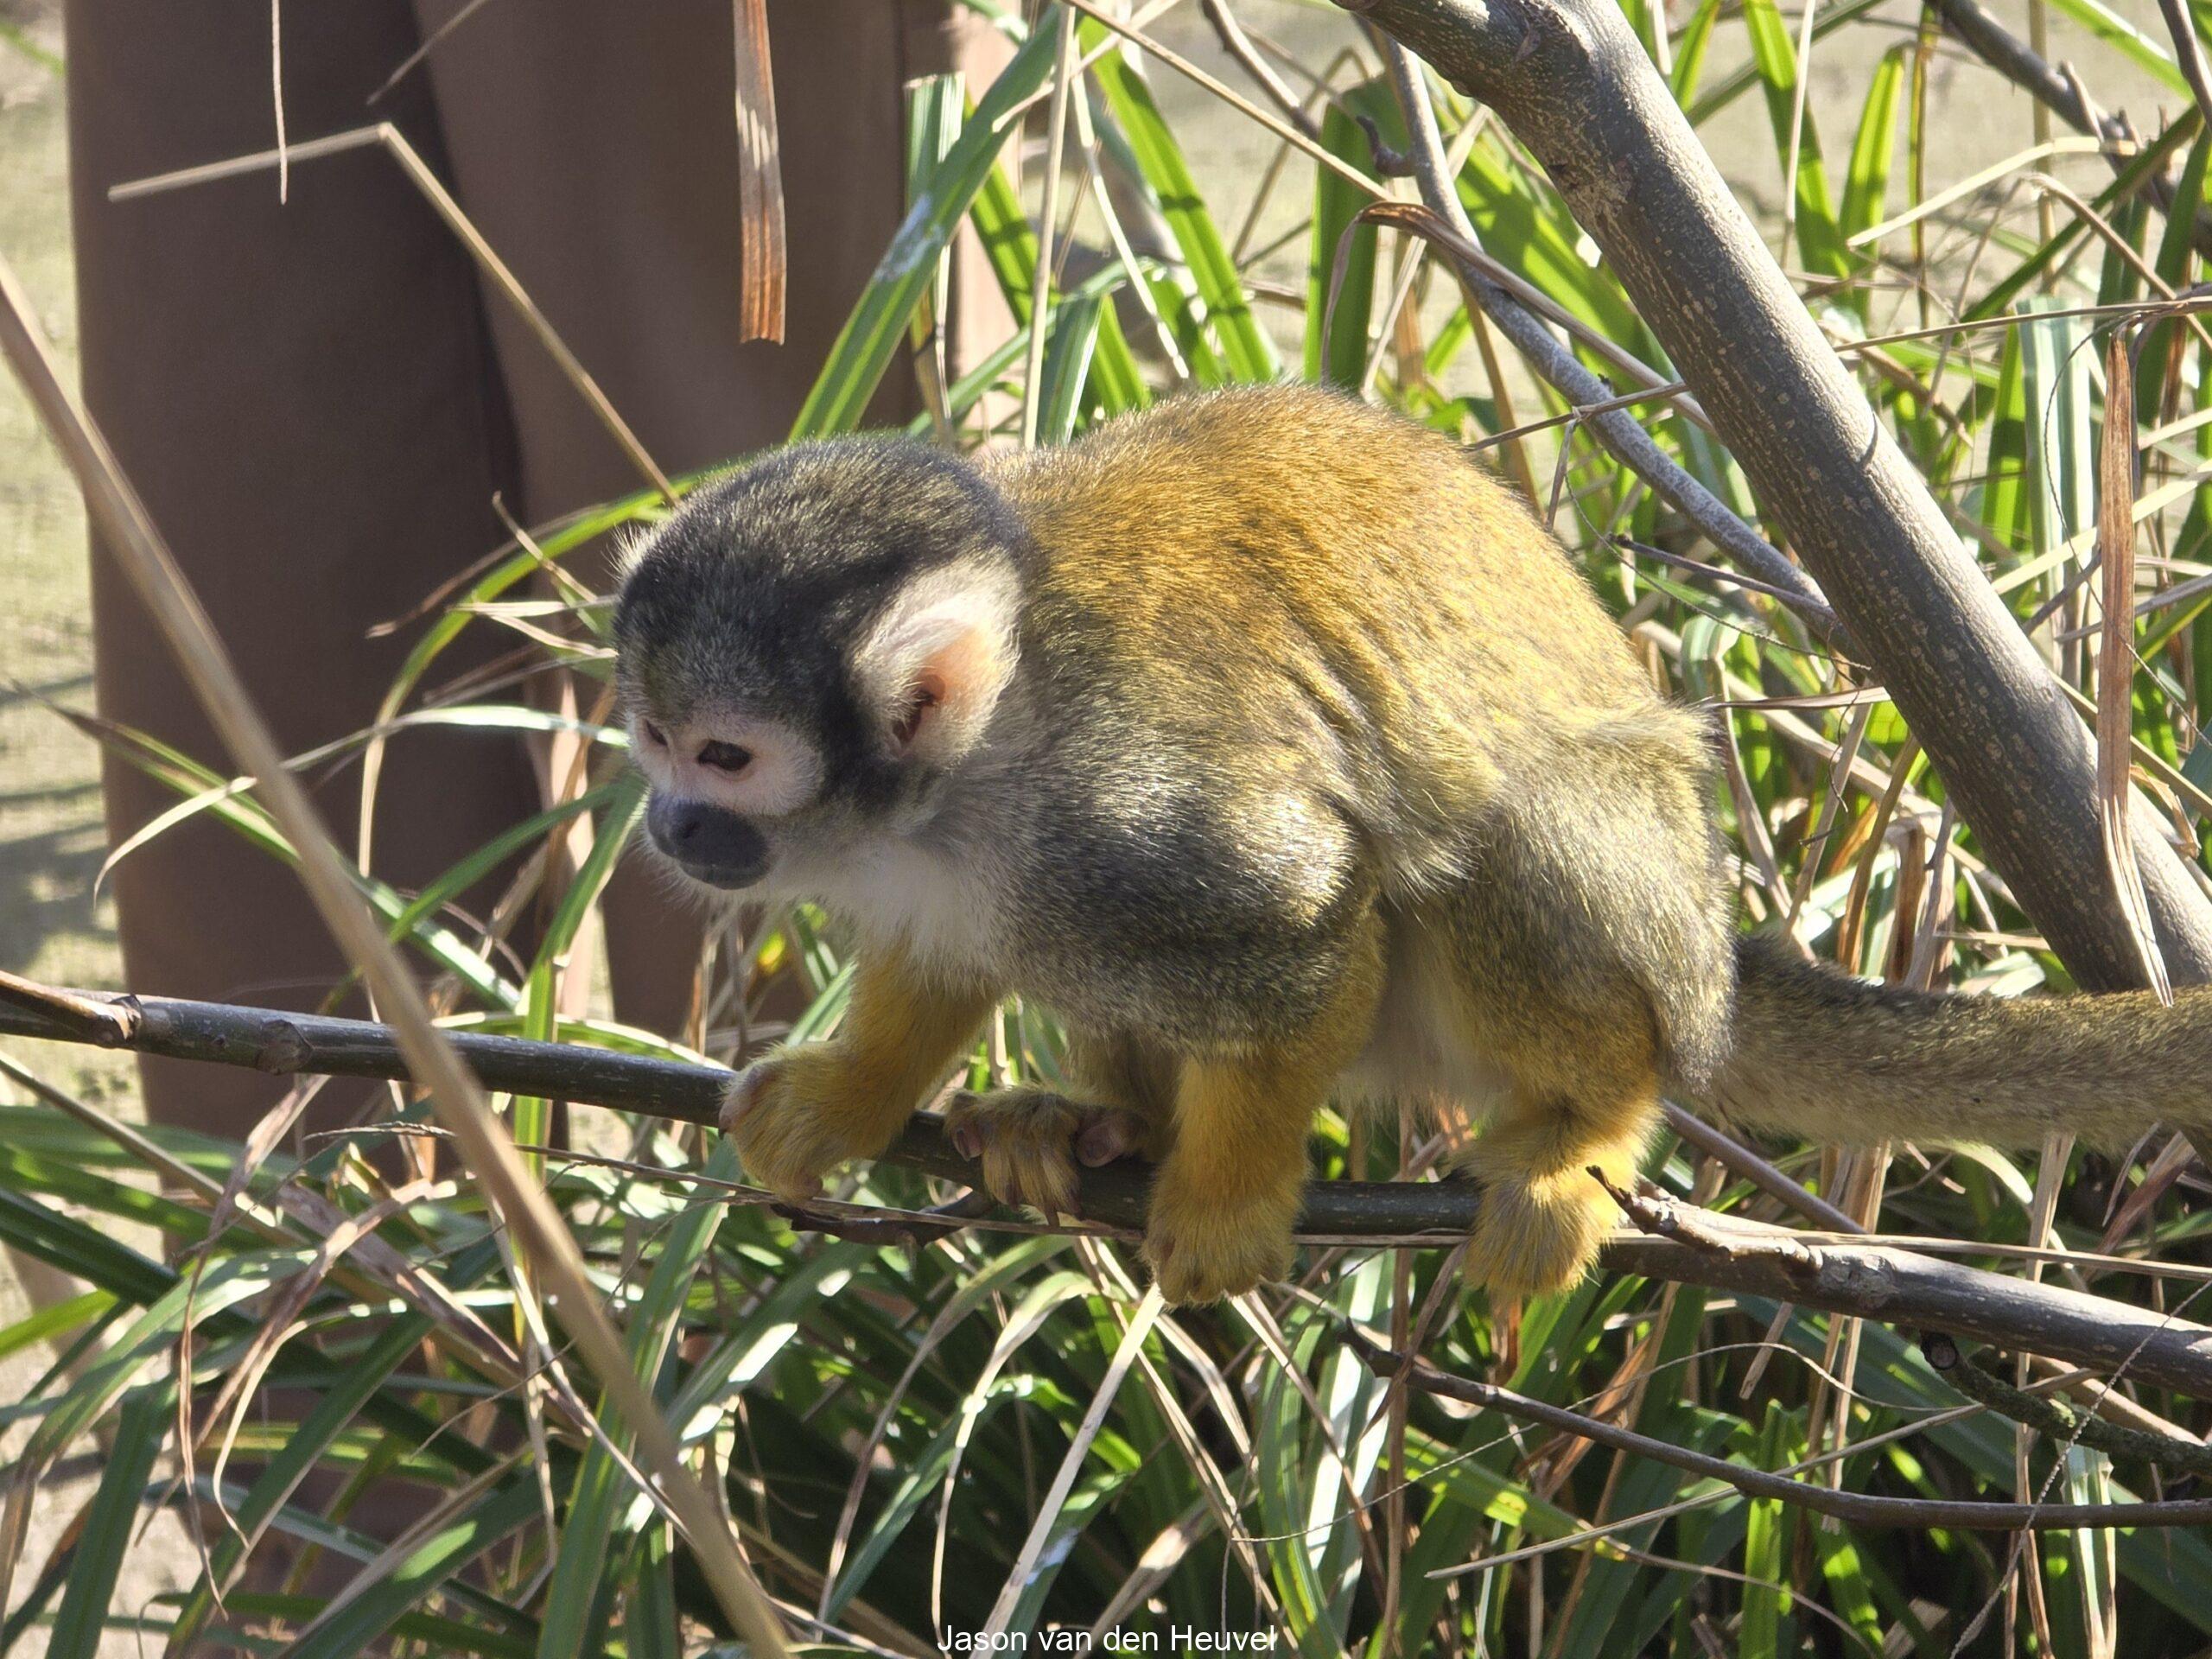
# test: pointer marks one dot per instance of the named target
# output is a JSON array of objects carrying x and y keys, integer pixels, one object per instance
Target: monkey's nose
[{"x": 709, "y": 843}]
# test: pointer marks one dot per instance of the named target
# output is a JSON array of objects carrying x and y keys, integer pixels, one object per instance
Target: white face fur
[
  {"x": 755, "y": 767},
  {"x": 929, "y": 672}
]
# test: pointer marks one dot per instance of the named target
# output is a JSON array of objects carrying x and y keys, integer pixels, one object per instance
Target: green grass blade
[
  {"x": 82, "y": 1250},
  {"x": 1244, "y": 344},
  {"x": 601, "y": 1489},
  {"x": 2115, "y": 31},
  {"x": 1070, "y": 351},
  {"x": 533, "y": 1117},
  {"x": 872, "y": 334},
  {"x": 1010, "y": 244},
  {"x": 1820, "y": 243},
  {"x": 1867, "y": 187},
  {"x": 459, "y": 877},
  {"x": 2057, "y": 361},
  {"x": 428, "y": 1633},
  {"x": 1340, "y": 358},
  {"x": 370, "y": 1611},
  {"x": 1765, "y": 1608},
  {"x": 339, "y": 1406},
  {"x": 51, "y": 1323},
  {"x": 198, "y": 1304},
  {"x": 16, "y": 35},
  {"x": 1529, "y": 230},
  {"x": 652, "y": 1625},
  {"x": 246, "y": 815},
  {"x": 142, "y": 1428},
  {"x": 1691, "y": 45},
  {"x": 1735, "y": 84},
  {"x": 2176, "y": 250}
]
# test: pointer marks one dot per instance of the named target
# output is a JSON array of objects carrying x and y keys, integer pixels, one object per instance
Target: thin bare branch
[
  {"x": 2189, "y": 52},
  {"x": 389, "y": 138},
  {"x": 1864, "y": 1279},
  {"x": 2053, "y": 1418},
  {"x": 1613, "y": 427},
  {"x": 1235, "y": 42},
  {"x": 1041, "y": 289},
  {"x": 1858, "y": 1507}
]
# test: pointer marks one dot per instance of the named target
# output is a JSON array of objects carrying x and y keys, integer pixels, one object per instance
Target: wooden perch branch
[{"x": 1864, "y": 1280}]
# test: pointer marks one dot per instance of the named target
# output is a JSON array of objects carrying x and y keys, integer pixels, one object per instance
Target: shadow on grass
[
  {"x": 14, "y": 693},
  {"x": 45, "y": 885}
]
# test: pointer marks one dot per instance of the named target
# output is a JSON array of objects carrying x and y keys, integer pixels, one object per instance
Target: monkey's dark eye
[
  {"x": 654, "y": 735},
  {"x": 725, "y": 757}
]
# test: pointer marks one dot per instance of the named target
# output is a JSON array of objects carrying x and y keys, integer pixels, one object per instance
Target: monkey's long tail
[{"x": 1822, "y": 1056}]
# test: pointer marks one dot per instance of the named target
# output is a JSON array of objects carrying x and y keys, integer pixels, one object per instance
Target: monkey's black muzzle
[{"x": 707, "y": 842}]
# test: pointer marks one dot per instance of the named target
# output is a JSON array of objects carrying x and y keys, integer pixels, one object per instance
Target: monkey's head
[{"x": 809, "y": 648}]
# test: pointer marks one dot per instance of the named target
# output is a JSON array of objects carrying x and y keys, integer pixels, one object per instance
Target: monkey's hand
[
  {"x": 797, "y": 1113},
  {"x": 1031, "y": 1140}
]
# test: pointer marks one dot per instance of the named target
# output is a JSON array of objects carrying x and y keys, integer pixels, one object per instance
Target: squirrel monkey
[{"x": 1274, "y": 744}]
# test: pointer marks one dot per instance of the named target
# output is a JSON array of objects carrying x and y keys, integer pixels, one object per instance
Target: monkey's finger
[
  {"x": 744, "y": 1094},
  {"x": 963, "y": 1126},
  {"x": 1031, "y": 1175},
  {"x": 1000, "y": 1179},
  {"x": 1110, "y": 1136}
]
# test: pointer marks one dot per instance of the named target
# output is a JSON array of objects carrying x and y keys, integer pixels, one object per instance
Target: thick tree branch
[
  {"x": 1867, "y": 1281},
  {"x": 1572, "y": 83},
  {"x": 1618, "y": 429}
]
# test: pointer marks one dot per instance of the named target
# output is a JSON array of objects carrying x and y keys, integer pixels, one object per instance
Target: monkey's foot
[
  {"x": 1030, "y": 1140},
  {"x": 1203, "y": 1246},
  {"x": 795, "y": 1114},
  {"x": 1534, "y": 1235}
]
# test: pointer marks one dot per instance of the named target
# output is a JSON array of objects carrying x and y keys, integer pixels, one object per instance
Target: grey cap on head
[{"x": 758, "y": 589}]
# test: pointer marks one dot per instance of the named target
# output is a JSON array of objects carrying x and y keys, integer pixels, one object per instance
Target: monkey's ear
[{"x": 931, "y": 667}]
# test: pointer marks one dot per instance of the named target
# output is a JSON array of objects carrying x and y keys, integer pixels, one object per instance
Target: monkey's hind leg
[
  {"x": 1542, "y": 1213},
  {"x": 1227, "y": 1196},
  {"x": 1114, "y": 1102},
  {"x": 1593, "y": 934}
]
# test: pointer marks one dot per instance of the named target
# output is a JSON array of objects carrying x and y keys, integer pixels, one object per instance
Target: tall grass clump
[{"x": 926, "y": 1435}]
